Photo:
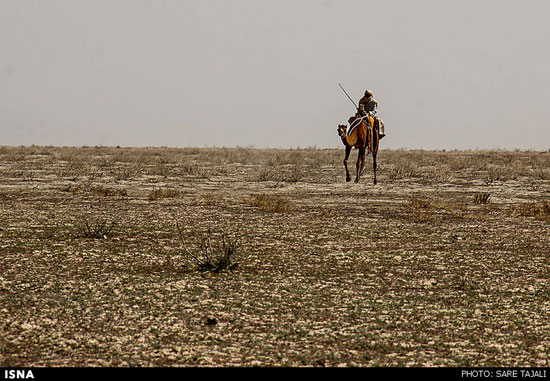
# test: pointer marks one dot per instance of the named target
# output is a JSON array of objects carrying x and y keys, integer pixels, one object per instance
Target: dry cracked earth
[{"x": 103, "y": 252}]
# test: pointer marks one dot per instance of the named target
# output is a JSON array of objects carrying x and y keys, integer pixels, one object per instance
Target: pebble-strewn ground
[{"x": 445, "y": 262}]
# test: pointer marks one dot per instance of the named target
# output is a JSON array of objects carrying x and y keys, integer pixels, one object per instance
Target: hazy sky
[{"x": 462, "y": 74}]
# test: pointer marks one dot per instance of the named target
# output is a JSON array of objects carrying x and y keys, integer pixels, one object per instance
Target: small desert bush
[
  {"x": 290, "y": 173},
  {"x": 422, "y": 209},
  {"x": 539, "y": 211},
  {"x": 295, "y": 174},
  {"x": 402, "y": 169},
  {"x": 129, "y": 171},
  {"x": 157, "y": 194},
  {"x": 72, "y": 169},
  {"x": 461, "y": 162},
  {"x": 266, "y": 173},
  {"x": 108, "y": 191},
  {"x": 97, "y": 229},
  {"x": 193, "y": 169},
  {"x": 270, "y": 203},
  {"x": 502, "y": 172},
  {"x": 481, "y": 198},
  {"x": 541, "y": 173},
  {"x": 416, "y": 203},
  {"x": 212, "y": 199},
  {"x": 213, "y": 254}
]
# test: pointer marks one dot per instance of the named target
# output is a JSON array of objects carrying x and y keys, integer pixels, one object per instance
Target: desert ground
[{"x": 262, "y": 257}]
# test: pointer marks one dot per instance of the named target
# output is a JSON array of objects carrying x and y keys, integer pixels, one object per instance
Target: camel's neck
[{"x": 350, "y": 140}]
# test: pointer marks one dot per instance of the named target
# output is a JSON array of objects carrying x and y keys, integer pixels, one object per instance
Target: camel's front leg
[
  {"x": 348, "y": 176},
  {"x": 360, "y": 164}
]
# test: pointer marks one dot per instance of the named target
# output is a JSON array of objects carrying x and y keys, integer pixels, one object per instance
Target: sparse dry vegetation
[
  {"x": 157, "y": 194},
  {"x": 482, "y": 197},
  {"x": 270, "y": 203},
  {"x": 540, "y": 211},
  {"x": 443, "y": 263},
  {"x": 98, "y": 229},
  {"x": 213, "y": 254},
  {"x": 422, "y": 209}
]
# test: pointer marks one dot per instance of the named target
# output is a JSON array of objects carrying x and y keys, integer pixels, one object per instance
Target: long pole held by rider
[{"x": 345, "y": 92}]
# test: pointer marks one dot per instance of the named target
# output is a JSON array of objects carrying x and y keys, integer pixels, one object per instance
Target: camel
[{"x": 362, "y": 137}]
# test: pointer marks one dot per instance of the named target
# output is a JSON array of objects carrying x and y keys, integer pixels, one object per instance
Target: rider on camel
[{"x": 369, "y": 105}]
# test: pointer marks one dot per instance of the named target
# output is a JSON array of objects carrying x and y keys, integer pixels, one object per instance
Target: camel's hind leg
[
  {"x": 376, "y": 142},
  {"x": 360, "y": 164},
  {"x": 348, "y": 176}
]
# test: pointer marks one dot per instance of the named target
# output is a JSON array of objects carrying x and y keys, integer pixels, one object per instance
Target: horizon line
[{"x": 314, "y": 147}]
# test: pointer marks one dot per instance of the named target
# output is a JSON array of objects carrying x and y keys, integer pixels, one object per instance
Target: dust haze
[{"x": 447, "y": 74}]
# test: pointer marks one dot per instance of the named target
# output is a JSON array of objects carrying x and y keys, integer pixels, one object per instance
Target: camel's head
[{"x": 342, "y": 128}]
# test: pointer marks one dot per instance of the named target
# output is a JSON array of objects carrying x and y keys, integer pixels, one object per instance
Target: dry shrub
[
  {"x": 98, "y": 229},
  {"x": 290, "y": 173},
  {"x": 269, "y": 203},
  {"x": 423, "y": 216},
  {"x": 72, "y": 169},
  {"x": 481, "y": 198},
  {"x": 422, "y": 209},
  {"x": 416, "y": 203},
  {"x": 213, "y": 254},
  {"x": 324, "y": 212},
  {"x": 539, "y": 211},
  {"x": 403, "y": 169},
  {"x": 157, "y": 194},
  {"x": 194, "y": 169},
  {"x": 502, "y": 172},
  {"x": 541, "y": 173},
  {"x": 127, "y": 172},
  {"x": 295, "y": 174},
  {"x": 457, "y": 212},
  {"x": 451, "y": 209},
  {"x": 461, "y": 162},
  {"x": 439, "y": 174},
  {"x": 212, "y": 199},
  {"x": 189, "y": 168},
  {"x": 108, "y": 191},
  {"x": 266, "y": 173}
]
